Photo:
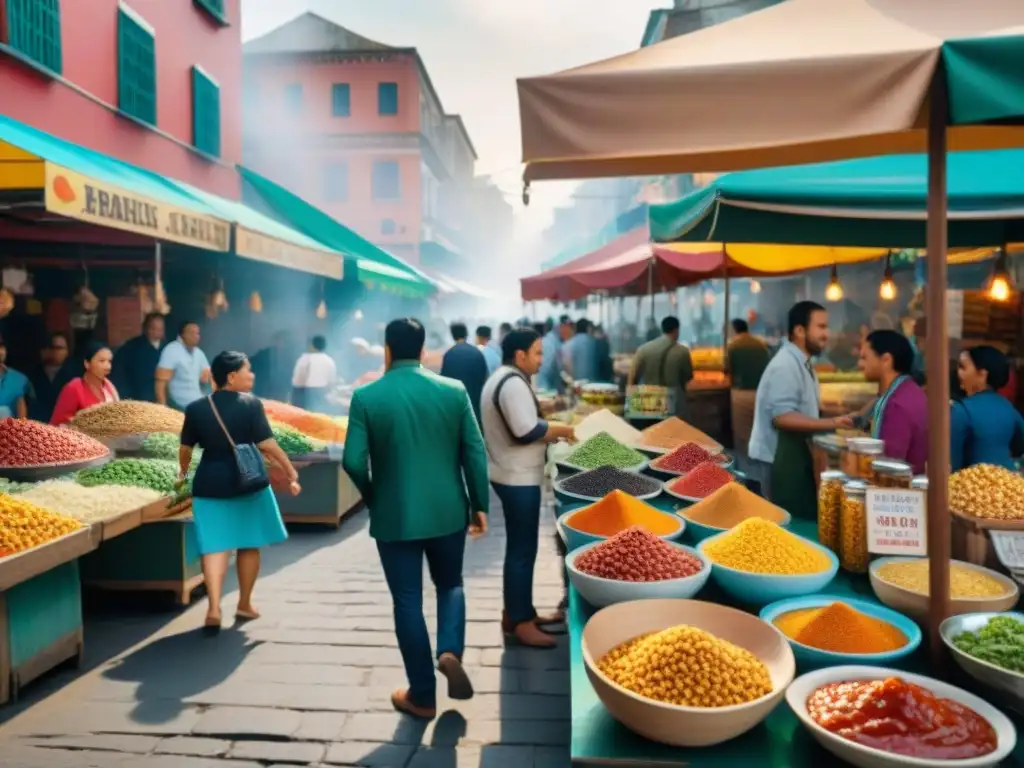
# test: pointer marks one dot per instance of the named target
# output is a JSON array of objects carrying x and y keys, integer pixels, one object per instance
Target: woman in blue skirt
[{"x": 226, "y": 518}]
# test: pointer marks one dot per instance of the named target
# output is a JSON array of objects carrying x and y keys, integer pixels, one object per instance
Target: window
[
  {"x": 293, "y": 97},
  {"x": 387, "y": 227},
  {"x": 387, "y": 98},
  {"x": 336, "y": 182},
  {"x": 205, "y": 113},
  {"x": 386, "y": 182},
  {"x": 214, "y": 8},
  {"x": 33, "y": 30},
  {"x": 136, "y": 66},
  {"x": 341, "y": 100}
]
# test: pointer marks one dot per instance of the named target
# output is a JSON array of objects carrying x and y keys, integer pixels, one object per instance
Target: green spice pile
[
  {"x": 603, "y": 450},
  {"x": 155, "y": 474},
  {"x": 164, "y": 445},
  {"x": 1000, "y": 642},
  {"x": 291, "y": 441}
]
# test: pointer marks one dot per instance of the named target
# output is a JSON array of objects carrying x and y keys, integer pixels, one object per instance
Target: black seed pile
[{"x": 598, "y": 483}]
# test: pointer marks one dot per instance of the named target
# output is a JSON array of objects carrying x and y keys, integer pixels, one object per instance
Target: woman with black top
[{"x": 226, "y": 518}]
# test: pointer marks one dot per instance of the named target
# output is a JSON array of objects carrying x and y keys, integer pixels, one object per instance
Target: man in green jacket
[{"x": 414, "y": 451}]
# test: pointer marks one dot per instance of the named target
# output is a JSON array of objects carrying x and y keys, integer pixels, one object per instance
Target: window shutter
[
  {"x": 33, "y": 29},
  {"x": 136, "y": 68},
  {"x": 205, "y": 113}
]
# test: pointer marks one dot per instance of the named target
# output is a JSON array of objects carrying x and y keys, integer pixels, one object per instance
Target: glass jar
[
  {"x": 919, "y": 483},
  {"x": 826, "y": 451},
  {"x": 889, "y": 473},
  {"x": 830, "y": 505},
  {"x": 859, "y": 454},
  {"x": 853, "y": 528}
]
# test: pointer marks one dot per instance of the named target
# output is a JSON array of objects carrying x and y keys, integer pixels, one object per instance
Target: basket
[{"x": 970, "y": 541}]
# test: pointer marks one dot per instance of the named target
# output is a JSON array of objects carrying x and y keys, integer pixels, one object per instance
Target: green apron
[{"x": 792, "y": 476}]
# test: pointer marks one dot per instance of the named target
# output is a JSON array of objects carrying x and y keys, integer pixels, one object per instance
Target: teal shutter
[
  {"x": 33, "y": 30},
  {"x": 205, "y": 113},
  {"x": 136, "y": 69},
  {"x": 341, "y": 100},
  {"x": 387, "y": 98},
  {"x": 213, "y": 7}
]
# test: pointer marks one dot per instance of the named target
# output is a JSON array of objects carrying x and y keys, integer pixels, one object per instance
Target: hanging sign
[
  {"x": 1009, "y": 547},
  {"x": 260, "y": 247},
  {"x": 897, "y": 522},
  {"x": 78, "y": 197}
]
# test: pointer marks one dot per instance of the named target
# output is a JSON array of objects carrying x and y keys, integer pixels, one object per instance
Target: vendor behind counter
[
  {"x": 134, "y": 371},
  {"x": 664, "y": 362}
]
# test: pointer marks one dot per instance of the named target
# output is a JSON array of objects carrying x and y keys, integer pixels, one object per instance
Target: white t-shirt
[
  {"x": 515, "y": 449},
  {"x": 314, "y": 370}
]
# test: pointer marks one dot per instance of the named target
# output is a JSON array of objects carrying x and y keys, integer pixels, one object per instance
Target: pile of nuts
[
  {"x": 127, "y": 417},
  {"x": 636, "y": 555},
  {"x": 987, "y": 491}
]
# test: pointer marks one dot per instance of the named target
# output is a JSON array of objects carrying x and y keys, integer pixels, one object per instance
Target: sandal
[{"x": 241, "y": 615}]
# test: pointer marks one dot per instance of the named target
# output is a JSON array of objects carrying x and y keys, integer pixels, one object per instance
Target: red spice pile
[
  {"x": 28, "y": 443},
  {"x": 636, "y": 555},
  {"x": 701, "y": 481},
  {"x": 686, "y": 457}
]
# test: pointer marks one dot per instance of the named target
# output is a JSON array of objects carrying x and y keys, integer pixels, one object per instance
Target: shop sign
[
  {"x": 78, "y": 197},
  {"x": 253, "y": 245},
  {"x": 897, "y": 522}
]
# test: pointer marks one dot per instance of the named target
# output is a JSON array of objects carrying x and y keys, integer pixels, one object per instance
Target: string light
[
  {"x": 887, "y": 288},
  {"x": 834, "y": 290},
  {"x": 1000, "y": 287},
  {"x": 755, "y": 286}
]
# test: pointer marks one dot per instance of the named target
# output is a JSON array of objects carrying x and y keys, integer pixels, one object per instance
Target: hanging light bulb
[
  {"x": 755, "y": 286},
  {"x": 255, "y": 302},
  {"x": 887, "y": 288},
  {"x": 321, "y": 310},
  {"x": 1000, "y": 287},
  {"x": 834, "y": 290},
  {"x": 358, "y": 314}
]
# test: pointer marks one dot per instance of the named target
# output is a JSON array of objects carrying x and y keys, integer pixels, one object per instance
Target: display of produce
[
  {"x": 24, "y": 525},
  {"x": 688, "y": 667},
  {"x": 603, "y": 450},
  {"x": 291, "y": 441},
  {"x": 707, "y": 359},
  {"x": 89, "y": 504},
  {"x": 999, "y": 642},
  {"x": 759, "y": 546},
  {"x": 686, "y": 457},
  {"x": 602, "y": 395},
  {"x": 315, "y": 425},
  {"x": 701, "y": 481},
  {"x": 127, "y": 417},
  {"x": 156, "y": 474},
  {"x": 830, "y": 507},
  {"x": 649, "y": 401},
  {"x": 964, "y": 582},
  {"x": 673, "y": 432},
  {"x": 859, "y": 455},
  {"x": 902, "y": 718},
  {"x": 841, "y": 377},
  {"x": 840, "y": 628},
  {"x": 26, "y": 443},
  {"x": 730, "y": 505},
  {"x": 853, "y": 528},
  {"x": 606, "y": 421},
  {"x": 598, "y": 483},
  {"x": 637, "y": 555},
  {"x": 618, "y": 512},
  {"x": 988, "y": 492},
  {"x": 12, "y": 488}
]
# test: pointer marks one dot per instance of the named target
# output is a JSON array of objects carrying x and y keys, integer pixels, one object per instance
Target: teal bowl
[
  {"x": 760, "y": 589},
  {"x": 574, "y": 539},
  {"x": 808, "y": 657},
  {"x": 697, "y": 532}
]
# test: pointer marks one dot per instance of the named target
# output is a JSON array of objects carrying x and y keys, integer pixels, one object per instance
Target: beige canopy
[{"x": 803, "y": 81}]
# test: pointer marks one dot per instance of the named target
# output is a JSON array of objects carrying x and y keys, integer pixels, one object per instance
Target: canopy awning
[{"x": 456, "y": 286}]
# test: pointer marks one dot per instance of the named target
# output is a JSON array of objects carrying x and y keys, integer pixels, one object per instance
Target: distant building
[{"x": 690, "y": 15}]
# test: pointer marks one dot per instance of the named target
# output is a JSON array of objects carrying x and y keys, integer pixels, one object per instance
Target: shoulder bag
[{"x": 251, "y": 469}]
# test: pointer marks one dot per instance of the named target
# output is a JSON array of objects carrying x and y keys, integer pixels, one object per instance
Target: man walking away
[
  {"x": 745, "y": 362},
  {"x": 491, "y": 351},
  {"x": 465, "y": 363},
  {"x": 664, "y": 362},
  {"x": 315, "y": 373},
  {"x": 418, "y": 432}
]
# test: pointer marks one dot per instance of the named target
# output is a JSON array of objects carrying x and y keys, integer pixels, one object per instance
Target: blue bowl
[
  {"x": 814, "y": 658},
  {"x": 697, "y": 532},
  {"x": 760, "y": 589},
  {"x": 574, "y": 539}
]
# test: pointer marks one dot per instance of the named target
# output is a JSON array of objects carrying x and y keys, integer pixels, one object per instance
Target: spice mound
[
  {"x": 606, "y": 421},
  {"x": 598, "y": 483},
  {"x": 155, "y": 474},
  {"x": 673, "y": 432},
  {"x": 127, "y": 417},
  {"x": 686, "y": 457},
  {"x": 839, "y": 628},
  {"x": 637, "y": 555},
  {"x": 987, "y": 491},
  {"x": 618, "y": 512},
  {"x": 316, "y": 425},
  {"x": 603, "y": 450},
  {"x": 902, "y": 718},
  {"x": 730, "y": 505},
  {"x": 89, "y": 505},
  {"x": 687, "y": 667},
  {"x": 30, "y": 443},
  {"x": 758, "y": 546},
  {"x": 701, "y": 481},
  {"x": 999, "y": 642},
  {"x": 24, "y": 525},
  {"x": 964, "y": 582}
]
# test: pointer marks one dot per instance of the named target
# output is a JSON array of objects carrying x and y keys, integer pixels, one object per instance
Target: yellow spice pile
[
  {"x": 987, "y": 491},
  {"x": 759, "y": 546},
  {"x": 24, "y": 525},
  {"x": 687, "y": 667},
  {"x": 964, "y": 582}
]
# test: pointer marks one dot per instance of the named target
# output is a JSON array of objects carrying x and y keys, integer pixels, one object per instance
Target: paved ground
[{"x": 308, "y": 684}]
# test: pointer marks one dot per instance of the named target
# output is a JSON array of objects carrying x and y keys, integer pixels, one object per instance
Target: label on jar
[{"x": 896, "y": 522}]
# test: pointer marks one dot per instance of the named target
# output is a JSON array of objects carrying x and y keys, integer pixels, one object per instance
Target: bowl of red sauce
[{"x": 875, "y": 717}]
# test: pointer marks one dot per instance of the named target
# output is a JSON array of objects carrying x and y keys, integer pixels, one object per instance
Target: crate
[
  {"x": 328, "y": 496},
  {"x": 970, "y": 541}
]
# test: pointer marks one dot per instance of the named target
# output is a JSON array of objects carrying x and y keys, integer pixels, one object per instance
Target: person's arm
[
  {"x": 21, "y": 408},
  {"x": 517, "y": 406},
  {"x": 187, "y": 442},
  {"x": 959, "y": 429},
  {"x": 164, "y": 373},
  {"x": 473, "y": 456},
  {"x": 631, "y": 379},
  {"x": 262, "y": 435},
  {"x": 783, "y": 401},
  {"x": 356, "y": 457},
  {"x": 301, "y": 373},
  {"x": 67, "y": 405}
]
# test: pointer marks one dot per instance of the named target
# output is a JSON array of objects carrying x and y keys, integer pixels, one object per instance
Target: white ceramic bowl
[
  {"x": 868, "y": 757},
  {"x": 1006, "y": 680}
]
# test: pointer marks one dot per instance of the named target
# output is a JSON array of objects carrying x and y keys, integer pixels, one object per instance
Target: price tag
[
  {"x": 1009, "y": 546},
  {"x": 896, "y": 522}
]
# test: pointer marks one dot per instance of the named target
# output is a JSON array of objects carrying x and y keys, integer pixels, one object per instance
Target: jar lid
[
  {"x": 856, "y": 487},
  {"x": 833, "y": 474},
  {"x": 865, "y": 445},
  {"x": 891, "y": 467},
  {"x": 919, "y": 483},
  {"x": 831, "y": 444}
]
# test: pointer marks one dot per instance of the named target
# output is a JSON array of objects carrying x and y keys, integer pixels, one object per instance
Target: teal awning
[{"x": 985, "y": 77}]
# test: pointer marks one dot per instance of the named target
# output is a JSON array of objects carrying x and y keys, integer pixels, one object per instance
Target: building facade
[
  {"x": 690, "y": 15},
  {"x": 356, "y": 127},
  {"x": 155, "y": 83}
]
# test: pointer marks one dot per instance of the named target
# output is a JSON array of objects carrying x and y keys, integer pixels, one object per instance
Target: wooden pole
[
  {"x": 725, "y": 314},
  {"x": 937, "y": 355}
]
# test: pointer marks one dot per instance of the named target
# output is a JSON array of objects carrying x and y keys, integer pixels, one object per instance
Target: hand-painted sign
[{"x": 260, "y": 247}]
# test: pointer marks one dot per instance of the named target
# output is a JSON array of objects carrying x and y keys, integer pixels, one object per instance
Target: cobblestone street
[{"x": 309, "y": 683}]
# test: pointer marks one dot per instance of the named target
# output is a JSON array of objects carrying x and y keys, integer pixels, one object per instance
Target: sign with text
[
  {"x": 1009, "y": 547},
  {"x": 896, "y": 522},
  {"x": 260, "y": 247}
]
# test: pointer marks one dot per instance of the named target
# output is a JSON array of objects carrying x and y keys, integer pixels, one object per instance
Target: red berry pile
[
  {"x": 686, "y": 457},
  {"x": 28, "y": 443},
  {"x": 637, "y": 555},
  {"x": 701, "y": 481}
]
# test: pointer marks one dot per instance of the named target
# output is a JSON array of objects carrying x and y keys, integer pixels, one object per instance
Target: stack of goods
[
  {"x": 687, "y": 667},
  {"x": 988, "y": 492},
  {"x": 293, "y": 442},
  {"x": 999, "y": 642},
  {"x": 839, "y": 628},
  {"x": 89, "y": 504},
  {"x": 964, "y": 582},
  {"x": 598, "y": 483},
  {"x": 315, "y": 425},
  {"x": 127, "y": 417},
  {"x": 637, "y": 555},
  {"x": 24, "y": 525},
  {"x": 758, "y": 546},
  {"x": 687, "y": 457},
  {"x": 669, "y": 434},
  {"x": 730, "y": 505},
  {"x": 603, "y": 450},
  {"x": 702, "y": 481},
  {"x": 618, "y": 512},
  {"x": 156, "y": 474},
  {"x": 30, "y": 444},
  {"x": 606, "y": 421}
]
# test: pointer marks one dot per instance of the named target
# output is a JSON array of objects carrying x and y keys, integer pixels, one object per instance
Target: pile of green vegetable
[
  {"x": 164, "y": 445},
  {"x": 1000, "y": 642},
  {"x": 156, "y": 474},
  {"x": 291, "y": 441},
  {"x": 603, "y": 450}
]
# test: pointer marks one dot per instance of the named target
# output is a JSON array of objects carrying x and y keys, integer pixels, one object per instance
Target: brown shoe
[
  {"x": 400, "y": 700},
  {"x": 530, "y": 635},
  {"x": 460, "y": 687}
]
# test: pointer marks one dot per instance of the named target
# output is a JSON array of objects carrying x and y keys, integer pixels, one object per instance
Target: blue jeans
[
  {"x": 521, "y": 505},
  {"x": 403, "y": 569}
]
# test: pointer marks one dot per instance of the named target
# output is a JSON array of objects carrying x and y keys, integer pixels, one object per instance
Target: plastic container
[
  {"x": 860, "y": 453},
  {"x": 830, "y": 506},
  {"x": 853, "y": 528},
  {"x": 889, "y": 473}
]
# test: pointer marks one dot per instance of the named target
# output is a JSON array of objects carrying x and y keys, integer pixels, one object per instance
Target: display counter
[{"x": 328, "y": 494}]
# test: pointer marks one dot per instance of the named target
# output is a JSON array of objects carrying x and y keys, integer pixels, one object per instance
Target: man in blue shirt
[
  {"x": 14, "y": 389},
  {"x": 492, "y": 354},
  {"x": 549, "y": 377},
  {"x": 465, "y": 363},
  {"x": 183, "y": 369},
  {"x": 581, "y": 353}
]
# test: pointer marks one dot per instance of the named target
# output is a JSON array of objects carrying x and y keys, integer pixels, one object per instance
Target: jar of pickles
[
  {"x": 859, "y": 454},
  {"x": 853, "y": 528},
  {"x": 830, "y": 505},
  {"x": 889, "y": 473}
]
